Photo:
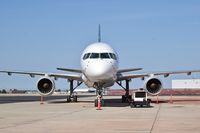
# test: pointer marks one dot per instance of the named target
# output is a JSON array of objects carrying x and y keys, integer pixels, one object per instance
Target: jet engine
[
  {"x": 153, "y": 85},
  {"x": 46, "y": 86}
]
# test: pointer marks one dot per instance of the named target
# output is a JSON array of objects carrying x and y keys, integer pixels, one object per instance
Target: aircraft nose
[{"x": 99, "y": 71}]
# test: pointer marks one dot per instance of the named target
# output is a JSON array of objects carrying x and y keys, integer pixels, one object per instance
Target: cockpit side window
[
  {"x": 86, "y": 56},
  {"x": 104, "y": 56},
  {"x": 113, "y": 56},
  {"x": 94, "y": 55}
]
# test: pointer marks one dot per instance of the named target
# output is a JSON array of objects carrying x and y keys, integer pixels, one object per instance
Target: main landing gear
[
  {"x": 72, "y": 97},
  {"x": 126, "y": 98}
]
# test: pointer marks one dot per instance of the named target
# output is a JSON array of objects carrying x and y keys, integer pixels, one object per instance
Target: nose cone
[{"x": 99, "y": 71}]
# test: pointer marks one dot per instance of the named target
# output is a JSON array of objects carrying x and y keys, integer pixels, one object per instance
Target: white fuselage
[{"x": 99, "y": 63}]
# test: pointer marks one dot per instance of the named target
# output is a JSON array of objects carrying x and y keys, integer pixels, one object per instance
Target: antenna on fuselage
[{"x": 99, "y": 34}]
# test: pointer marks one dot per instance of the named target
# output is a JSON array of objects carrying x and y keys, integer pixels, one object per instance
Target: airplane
[{"x": 99, "y": 69}]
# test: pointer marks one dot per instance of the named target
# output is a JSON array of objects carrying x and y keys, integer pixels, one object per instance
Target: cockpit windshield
[
  {"x": 104, "y": 56},
  {"x": 94, "y": 55},
  {"x": 100, "y": 55}
]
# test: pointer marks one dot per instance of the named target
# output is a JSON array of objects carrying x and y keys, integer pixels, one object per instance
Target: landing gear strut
[
  {"x": 127, "y": 97},
  {"x": 72, "y": 97}
]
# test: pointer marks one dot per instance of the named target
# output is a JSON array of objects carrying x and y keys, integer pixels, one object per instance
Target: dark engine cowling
[
  {"x": 153, "y": 85},
  {"x": 46, "y": 86}
]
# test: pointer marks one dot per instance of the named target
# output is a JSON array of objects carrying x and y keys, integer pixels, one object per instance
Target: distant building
[
  {"x": 16, "y": 91},
  {"x": 186, "y": 84}
]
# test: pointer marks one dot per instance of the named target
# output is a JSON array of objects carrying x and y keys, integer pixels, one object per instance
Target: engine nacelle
[
  {"x": 46, "y": 86},
  {"x": 153, "y": 85}
]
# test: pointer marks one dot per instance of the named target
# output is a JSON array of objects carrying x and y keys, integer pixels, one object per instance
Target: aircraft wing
[
  {"x": 165, "y": 74},
  {"x": 128, "y": 70},
  {"x": 70, "y": 70},
  {"x": 53, "y": 75}
]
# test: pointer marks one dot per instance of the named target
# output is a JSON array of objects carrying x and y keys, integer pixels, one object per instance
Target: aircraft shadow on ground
[
  {"x": 115, "y": 103},
  {"x": 108, "y": 102},
  {"x": 118, "y": 103},
  {"x": 112, "y": 102},
  {"x": 65, "y": 101}
]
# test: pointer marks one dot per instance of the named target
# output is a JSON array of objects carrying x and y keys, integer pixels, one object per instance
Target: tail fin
[{"x": 99, "y": 33}]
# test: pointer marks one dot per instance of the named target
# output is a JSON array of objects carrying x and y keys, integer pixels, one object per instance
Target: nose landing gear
[
  {"x": 99, "y": 90},
  {"x": 102, "y": 103}
]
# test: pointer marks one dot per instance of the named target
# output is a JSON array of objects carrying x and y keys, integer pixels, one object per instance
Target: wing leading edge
[
  {"x": 165, "y": 74},
  {"x": 53, "y": 75},
  {"x": 70, "y": 70},
  {"x": 128, "y": 70}
]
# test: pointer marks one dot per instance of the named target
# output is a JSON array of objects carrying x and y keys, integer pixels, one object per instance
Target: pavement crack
[{"x": 153, "y": 125}]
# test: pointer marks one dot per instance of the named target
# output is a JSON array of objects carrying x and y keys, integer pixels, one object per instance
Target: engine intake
[
  {"x": 153, "y": 86},
  {"x": 46, "y": 86}
]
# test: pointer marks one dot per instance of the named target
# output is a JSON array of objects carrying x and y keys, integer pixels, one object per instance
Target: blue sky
[{"x": 41, "y": 35}]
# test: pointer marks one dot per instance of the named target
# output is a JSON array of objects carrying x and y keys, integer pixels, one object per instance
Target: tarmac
[{"x": 57, "y": 116}]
